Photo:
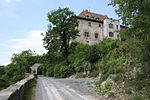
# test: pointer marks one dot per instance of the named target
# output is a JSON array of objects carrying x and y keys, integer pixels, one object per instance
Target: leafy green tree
[
  {"x": 61, "y": 30},
  {"x": 2, "y": 70},
  {"x": 135, "y": 47},
  {"x": 134, "y": 13},
  {"x": 25, "y": 59},
  {"x": 93, "y": 54}
]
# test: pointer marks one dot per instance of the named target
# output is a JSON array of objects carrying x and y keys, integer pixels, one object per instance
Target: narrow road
[{"x": 65, "y": 89}]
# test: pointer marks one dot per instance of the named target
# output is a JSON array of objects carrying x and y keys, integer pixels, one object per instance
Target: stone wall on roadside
[{"x": 16, "y": 91}]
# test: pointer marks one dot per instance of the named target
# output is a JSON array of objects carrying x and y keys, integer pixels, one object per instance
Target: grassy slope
[{"x": 31, "y": 91}]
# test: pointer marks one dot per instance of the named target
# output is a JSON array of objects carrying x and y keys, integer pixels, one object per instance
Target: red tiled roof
[{"x": 83, "y": 14}]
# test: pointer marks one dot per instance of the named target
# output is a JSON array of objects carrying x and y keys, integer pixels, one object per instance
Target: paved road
[{"x": 64, "y": 89}]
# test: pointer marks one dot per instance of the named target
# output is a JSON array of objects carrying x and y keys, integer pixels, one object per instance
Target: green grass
[{"x": 31, "y": 91}]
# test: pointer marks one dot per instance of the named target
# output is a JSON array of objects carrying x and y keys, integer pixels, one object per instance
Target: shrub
[
  {"x": 3, "y": 84},
  {"x": 62, "y": 71},
  {"x": 66, "y": 71},
  {"x": 94, "y": 73},
  {"x": 93, "y": 54},
  {"x": 80, "y": 75},
  {"x": 116, "y": 78},
  {"x": 128, "y": 91},
  {"x": 57, "y": 71},
  {"x": 106, "y": 88},
  {"x": 80, "y": 65},
  {"x": 50, "y": 72},
  {"x": 139, "y": 97},
  {"x": 108, "y": 85}
]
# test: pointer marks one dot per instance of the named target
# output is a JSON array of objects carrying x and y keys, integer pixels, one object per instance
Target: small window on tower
[
  {"x": 111, "y": 34},
  {"x": 96, "y": 35},
  {"x": 110, "y": 25},
  {"x": 87, "y": 17},
  {"x": 117, "y": 27},
  {"x": 99, "y": 25},
  {"x": 89, "y": 24},
  {"x": 97, "y": 18},
  {"x": 92, "y": 17}
]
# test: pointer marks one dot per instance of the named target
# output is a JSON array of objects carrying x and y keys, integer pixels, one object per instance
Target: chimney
[{"x": 86, "y": 10}]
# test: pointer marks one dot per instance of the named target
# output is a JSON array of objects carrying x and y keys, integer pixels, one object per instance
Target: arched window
[
  {"x": 96, "y": 35},
  {"x": 97, "y": 18},
  {"x": 92, "y": 17},
  {"x": 87, "y": 17},
  {"x": 111, "y": 34},
  {"x": 110, "y": 25}
]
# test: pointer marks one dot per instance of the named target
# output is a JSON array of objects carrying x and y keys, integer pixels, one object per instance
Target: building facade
[{"x": 95, "y": 27}]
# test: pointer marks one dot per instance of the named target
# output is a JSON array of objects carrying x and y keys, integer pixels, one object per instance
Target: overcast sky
[{"x": 23, "y": 21}]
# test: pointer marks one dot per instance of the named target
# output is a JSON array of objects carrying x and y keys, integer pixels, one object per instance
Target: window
[
  {"x": 87, "y": 17},
  {"x": 92, "y": 17},
  {"x": 96, "y": 35},
  {"x": 86, "y": 34},
  {"x": 110, "y": 25},
  {"x": 111, "y": 34},
  {"x": 89, "y": 24},
  {"x": 99, "y": 25},
  {"x": 97, "y": 18},
  {"x": 117, "y": 27}
]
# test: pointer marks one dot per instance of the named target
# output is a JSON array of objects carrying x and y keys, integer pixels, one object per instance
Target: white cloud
[
  {"x": 16, "y": 40},
  {"x": 18, "y": 0},
  {"x": 7, "y": 1},
  {"x": 33, "y": 41}
]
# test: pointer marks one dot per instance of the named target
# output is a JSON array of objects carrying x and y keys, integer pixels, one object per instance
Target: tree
[
  {"x": 25, "y": 59},
  {"x": 136, "y": 14},
  {"x": 61, "y": 30}
]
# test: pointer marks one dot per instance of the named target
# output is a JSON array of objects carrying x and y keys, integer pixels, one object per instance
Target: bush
[
  {"x": 80, "y": 75},
  {"x": 3, "y": 84},
  {"x": 50, "y": 72},
  {"x": 108, "y": 85},
  {"x": 116, "y": 78},
  {"x": 80, "y": 65},
  {"x": 128, "y": 91},
  {"x": 57, "y": 73},
  {"x": 93, "y": 54},
  {"x": 62, "y": 71},
  {"x": 106, "y": 88},
  {"x": 94, "y": 73},
  {"x": 66, "y": 71}
]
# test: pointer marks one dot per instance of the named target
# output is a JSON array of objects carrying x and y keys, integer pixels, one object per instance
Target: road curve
[{"x": 64, "y": 89}]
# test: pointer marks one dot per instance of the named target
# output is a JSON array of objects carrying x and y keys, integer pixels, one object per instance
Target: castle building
[{"x": 95, "y": 27}]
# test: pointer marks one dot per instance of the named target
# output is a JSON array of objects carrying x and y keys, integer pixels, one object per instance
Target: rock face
[{"x": 16, "y": 91}]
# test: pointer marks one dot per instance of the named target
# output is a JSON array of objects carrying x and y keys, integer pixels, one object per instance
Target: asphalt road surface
[{"x": 65, "y": 89}]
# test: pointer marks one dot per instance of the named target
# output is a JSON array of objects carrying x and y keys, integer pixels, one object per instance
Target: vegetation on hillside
[
  {"x": 16, "y": 70},
  {"x": 30, "y": 93},
  {"x": 122, "y": 64}
]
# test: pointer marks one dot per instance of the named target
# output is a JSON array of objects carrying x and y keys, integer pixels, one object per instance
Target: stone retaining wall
[{"x": 16, "y": 91}]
